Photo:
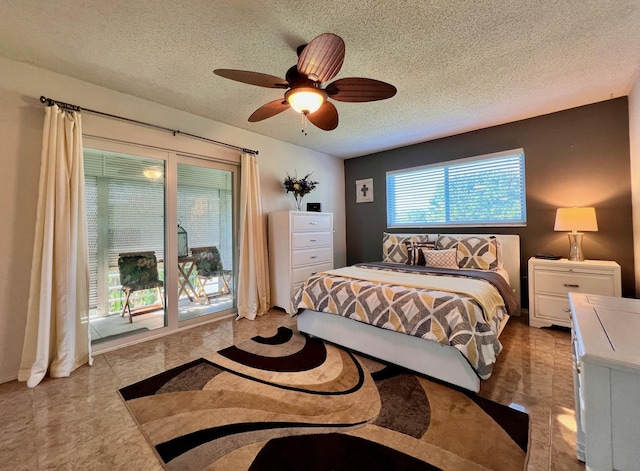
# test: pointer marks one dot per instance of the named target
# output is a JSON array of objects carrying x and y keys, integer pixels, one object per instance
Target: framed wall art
[{"x": 364, "y": 190}]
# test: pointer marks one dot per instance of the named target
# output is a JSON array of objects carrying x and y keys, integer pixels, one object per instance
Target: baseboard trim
[{"x": 8, "y": 379}]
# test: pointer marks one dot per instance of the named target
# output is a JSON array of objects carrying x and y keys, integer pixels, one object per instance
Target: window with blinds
[{"x": 487, "y": 190}]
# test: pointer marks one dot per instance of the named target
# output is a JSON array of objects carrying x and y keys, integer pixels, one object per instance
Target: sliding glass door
[
  {"x": 205, "y": 243},
  {"x": 125, "y": 200},
  {"x": 161, "y": 232}
]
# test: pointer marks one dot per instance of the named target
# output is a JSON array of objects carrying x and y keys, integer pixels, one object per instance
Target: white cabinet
[
  {"x": 300, "y": 244},
  {"x": 605, "y": 333},
  {"x": 550, "y": 281}
]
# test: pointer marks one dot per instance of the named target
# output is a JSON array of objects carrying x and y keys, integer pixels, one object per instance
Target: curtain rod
[{"x": 175, "y": 132}]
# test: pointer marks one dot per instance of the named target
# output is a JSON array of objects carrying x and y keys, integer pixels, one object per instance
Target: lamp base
[{"x": 575, "y": 242}]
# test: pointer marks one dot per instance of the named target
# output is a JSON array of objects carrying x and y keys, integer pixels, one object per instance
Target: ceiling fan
[{"x": 318, "y": 62}]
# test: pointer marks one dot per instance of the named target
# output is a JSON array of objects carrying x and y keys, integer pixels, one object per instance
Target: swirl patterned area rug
[{"x": 293, "y": 403}]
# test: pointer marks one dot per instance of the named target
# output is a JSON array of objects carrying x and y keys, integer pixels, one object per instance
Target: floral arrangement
[{"x": 299, "y": 187}]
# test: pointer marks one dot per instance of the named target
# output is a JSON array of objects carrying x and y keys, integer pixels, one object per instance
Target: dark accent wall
[{"x": 577, "y": 157}]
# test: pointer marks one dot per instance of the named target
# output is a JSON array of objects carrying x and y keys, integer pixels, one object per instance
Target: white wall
[
  {"x": 21, "y": 121},
  {"x": 634, "y": 148}
]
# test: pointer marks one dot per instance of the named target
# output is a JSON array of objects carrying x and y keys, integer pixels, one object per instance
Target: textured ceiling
[{"x": 457, "y": 65}]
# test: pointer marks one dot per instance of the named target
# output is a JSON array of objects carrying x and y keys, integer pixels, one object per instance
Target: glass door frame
[
  {"x": 172, "y": 236},
  {"x": 171, "y": 159}
]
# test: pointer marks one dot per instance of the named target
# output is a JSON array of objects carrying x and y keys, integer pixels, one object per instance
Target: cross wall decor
[{"x": 364, "y": 190}]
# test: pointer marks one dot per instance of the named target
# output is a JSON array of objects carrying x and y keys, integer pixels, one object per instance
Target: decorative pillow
[
  {"x": 393, "y": 248},
  {"x": 414, "y": 251},
  {"x": 441, "y": 258},
  {"x": 138, "y": 270},
  {"x": 208, "y": 263},
  {"x": 476, "y": 252}
]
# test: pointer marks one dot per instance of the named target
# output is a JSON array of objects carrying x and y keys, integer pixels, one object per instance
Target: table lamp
[{"x": 575, "y": 220}]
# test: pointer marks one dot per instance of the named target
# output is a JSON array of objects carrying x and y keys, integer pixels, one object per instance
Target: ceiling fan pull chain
[{"x": 304, "y": 123}]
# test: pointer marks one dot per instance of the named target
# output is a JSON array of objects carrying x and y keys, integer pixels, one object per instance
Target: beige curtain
[
  {"x": 253, "y": 277},
  {"x": 57, "y": 333}
]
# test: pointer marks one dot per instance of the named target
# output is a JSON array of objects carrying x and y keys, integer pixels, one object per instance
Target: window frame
[{"x": 446, "y": 166}]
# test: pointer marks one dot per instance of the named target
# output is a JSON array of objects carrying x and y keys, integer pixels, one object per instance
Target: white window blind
[
  {"x": 91, "y": 203},
  {"x": 487, "y": 190},
  {"x": 205, "y": 199},
  {"x": 136, "y": 218}
]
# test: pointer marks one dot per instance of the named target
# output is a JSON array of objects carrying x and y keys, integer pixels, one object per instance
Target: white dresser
[
  {"x": 551, "y": 280},
  {"x": 606, "y": 349},
  {"x": 300, "y": 244}
]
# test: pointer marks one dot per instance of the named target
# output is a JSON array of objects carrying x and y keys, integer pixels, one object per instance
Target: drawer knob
[
  {"x": 566, "y": 309},
  {"x": 314, "y": 256},
  {"x": 313, "y": 223},
  {"x": 313, "y": 240},
  {"x": 569, "y": 285}
]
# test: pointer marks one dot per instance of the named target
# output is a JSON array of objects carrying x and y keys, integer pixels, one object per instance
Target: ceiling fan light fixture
[
  {"x": 306, "y": 100},
  {"x": 319, "y": 61},
  {"x": 152, "y": 173}
]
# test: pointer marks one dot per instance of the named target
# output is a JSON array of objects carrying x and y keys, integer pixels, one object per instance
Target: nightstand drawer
[
  {"x": 554, "y": 308},
  {"x": 564, "y": 282}
]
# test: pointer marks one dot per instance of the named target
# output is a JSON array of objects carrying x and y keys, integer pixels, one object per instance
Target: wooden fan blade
[
  {"x": 358, "y": 90},
  {"x": 326, "y": 117},
  {"x": 269, "y": 109},
  {"x": 322, "y": 58},
  {"x": 252, "y": 78}
]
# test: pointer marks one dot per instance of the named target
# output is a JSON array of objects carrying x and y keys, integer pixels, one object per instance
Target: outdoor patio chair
[
  {"x": 208, "y": 267},
  {"x": 138, "y": 271}
]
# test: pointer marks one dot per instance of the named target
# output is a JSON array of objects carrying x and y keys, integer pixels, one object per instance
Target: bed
[{"x": 335, "y": 319}]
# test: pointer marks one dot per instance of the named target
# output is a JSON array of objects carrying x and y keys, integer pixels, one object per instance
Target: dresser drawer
[
  {"x": 300, "y": 258},
  {"x": 562, "y": 282},
  {"x": 306, "y": 240},
  {"x": 298, "y": 275},
  {"x": 553, "y": 307},
  {"x": 310, "y": 222}
]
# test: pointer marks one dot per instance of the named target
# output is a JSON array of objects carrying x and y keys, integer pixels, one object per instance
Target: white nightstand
[{"x": 550, "y": 282}]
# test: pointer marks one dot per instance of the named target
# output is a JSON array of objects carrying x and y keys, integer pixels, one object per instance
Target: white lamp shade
[
  {"x": 305, "y": 99},
  {"x": 576, "y": 219}
]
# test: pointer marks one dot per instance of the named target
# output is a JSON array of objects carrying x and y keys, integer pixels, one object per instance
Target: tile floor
[
  {"x": 115, "y": 325},
  {"x": 80, "y": 422}
]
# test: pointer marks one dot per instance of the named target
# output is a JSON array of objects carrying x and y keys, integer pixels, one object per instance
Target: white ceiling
[{"x": 458, "y": 65}]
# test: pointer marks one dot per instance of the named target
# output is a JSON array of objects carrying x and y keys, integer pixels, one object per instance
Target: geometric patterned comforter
[{"x": 450, "y": 318}]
